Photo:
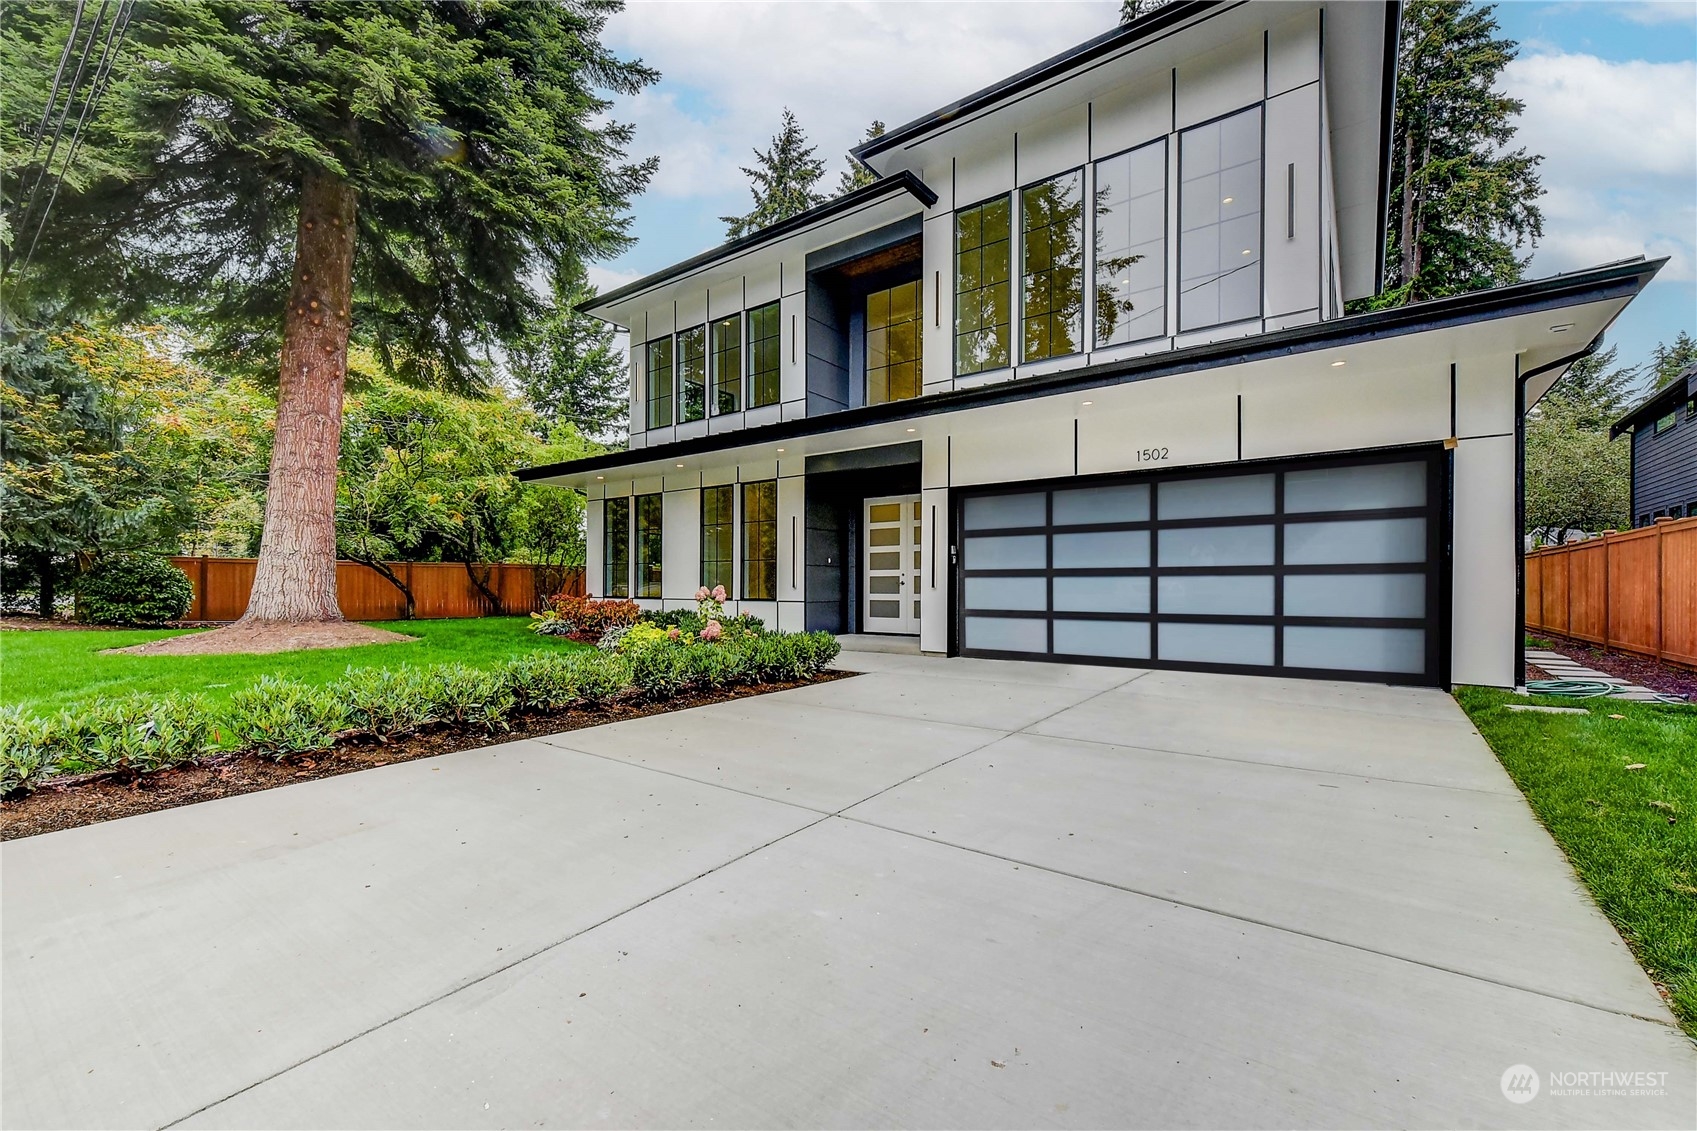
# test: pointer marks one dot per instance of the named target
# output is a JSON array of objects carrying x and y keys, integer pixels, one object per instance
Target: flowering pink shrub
[
  {"x": 703, "y": 593},
  {"x": 673, "y": 633},
  {"x": 712, "y": 631},
  {"x": 719, "y": 594}
]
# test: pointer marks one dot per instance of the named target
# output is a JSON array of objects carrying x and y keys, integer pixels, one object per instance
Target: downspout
[{"x": 1520, "y": 498}]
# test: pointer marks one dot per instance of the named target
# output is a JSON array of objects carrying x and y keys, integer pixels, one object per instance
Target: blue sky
[{"x": 1610, "y": 91}]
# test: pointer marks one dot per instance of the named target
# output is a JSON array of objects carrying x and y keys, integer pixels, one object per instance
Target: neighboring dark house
[{"x": 1664, "y": 451}]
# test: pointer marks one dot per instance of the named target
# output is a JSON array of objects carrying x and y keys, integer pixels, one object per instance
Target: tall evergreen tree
[
  {"x": 1669, "y": 361},
  {"x": 782, "y": 180},
  {"x": 570, "y": 368},
  {"x": 858, "y": 175},
  {"x": 1462, "y": 204},
  {"x": 295, "y": 191}
]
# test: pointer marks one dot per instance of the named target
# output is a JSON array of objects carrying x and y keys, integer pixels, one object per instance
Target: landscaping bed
[
  {"x": 67, "y": 803},
  {"x": 1616, "y": 787},
  {"x": 1642, "y": 670}
]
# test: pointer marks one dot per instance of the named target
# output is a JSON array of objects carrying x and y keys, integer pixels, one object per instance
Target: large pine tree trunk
[{"x": 295, "y": 580}]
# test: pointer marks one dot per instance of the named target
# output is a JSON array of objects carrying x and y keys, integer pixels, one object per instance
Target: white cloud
[
  {"x": 728, "y": 70},
  {"x": 1659, "y": 11},
  {"x": 1619, "y": 141}
]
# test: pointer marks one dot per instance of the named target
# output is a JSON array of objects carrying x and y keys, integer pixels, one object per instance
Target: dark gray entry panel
[{"x": 1329, "y": 568}]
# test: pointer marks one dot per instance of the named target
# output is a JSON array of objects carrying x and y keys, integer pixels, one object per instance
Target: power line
[
  {"x": 97, "y": 87},
  {"x": 59, "y": 72},
  {"x": 70, "y": 93}
]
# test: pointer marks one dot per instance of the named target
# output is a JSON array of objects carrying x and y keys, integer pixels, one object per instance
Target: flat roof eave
[{"x": 1623, "y": 280}]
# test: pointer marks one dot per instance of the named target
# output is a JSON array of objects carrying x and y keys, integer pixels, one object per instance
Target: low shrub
[
  {"x": 27, "y": 753},
  {"x": 387, "y": 701},
  {"x": 568, "y": 615},
  {"x": 133, "y": 589},
  {"x": 475, "y": 698},
  {"x": 277, "y": 717},
  {"x": 598, "y": 677},
  {"x": 691, "y": 623},
  {"x": 541, "y": 680}
]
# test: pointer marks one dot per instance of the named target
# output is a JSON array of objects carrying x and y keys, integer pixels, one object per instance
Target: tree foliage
[
  {"x": 858, "y": 175},
  {"x": 782, "y": 180},
  {"x": 1462, "y": 203},
  {"x": 570, "y": 369},
  {"x": 1669, "y": 361},
  {"x": 1576, "y": 479}
]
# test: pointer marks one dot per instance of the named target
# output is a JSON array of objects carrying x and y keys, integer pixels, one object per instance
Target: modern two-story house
[{"x": 1073, "y": 380}]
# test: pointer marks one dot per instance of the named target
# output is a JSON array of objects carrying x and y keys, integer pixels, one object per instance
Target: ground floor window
[
  {"x": 760, "y": 540},
  {"x": 648, "y": 547},
  {"x": 615, "y": 575},
  {"x": 718, "y": 520}
]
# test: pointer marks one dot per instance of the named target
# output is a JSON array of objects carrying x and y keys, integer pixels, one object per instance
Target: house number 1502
[{"x": 1151, "y": 455}]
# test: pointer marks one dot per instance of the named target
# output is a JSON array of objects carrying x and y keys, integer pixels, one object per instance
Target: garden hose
[{"x": 1584, "y": 689}]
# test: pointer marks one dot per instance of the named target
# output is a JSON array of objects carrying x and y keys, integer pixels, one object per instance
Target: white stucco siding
[{"x": 1485, "y": 616}]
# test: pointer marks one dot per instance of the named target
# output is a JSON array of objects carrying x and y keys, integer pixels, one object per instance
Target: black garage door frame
[{"x": 1438, "y": 513}]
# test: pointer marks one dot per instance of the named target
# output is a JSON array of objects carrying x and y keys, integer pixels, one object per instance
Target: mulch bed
[
  {"x": 1641, "y": 670},
  {"x": 87, "y": 799}
]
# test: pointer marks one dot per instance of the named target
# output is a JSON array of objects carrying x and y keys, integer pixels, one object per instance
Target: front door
[{"x": 891, "y": 558}]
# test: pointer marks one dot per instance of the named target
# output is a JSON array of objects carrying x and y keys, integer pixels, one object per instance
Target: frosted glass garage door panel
[
  {"x": 1217, "y": 643},
  {"x": 1125, "y": 640},
  {"x": 1374, "y": 487},
  {"x": 1352, "y": 649},
  {"x": 1007, "y": 634},
  {"x": 1217, "y": 498},
  {"x": 988, "y": 512},
  {"x": 1125, "y": 503},
  {"x": 1365, "y": 541},
  {"x": 1217, "y": 596},
  {"x": 1217, "y": 546},
  {"x": 1017, "y": 593},
  {"x": 1006, "y": 551},
  {"x": 1102, "y": 594},
  {"x": 1104, "y": 549},
  {"x": 1356, "y": 595}
]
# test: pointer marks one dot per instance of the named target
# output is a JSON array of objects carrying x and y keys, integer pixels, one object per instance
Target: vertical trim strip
[{"x": 1290, "y": 201}]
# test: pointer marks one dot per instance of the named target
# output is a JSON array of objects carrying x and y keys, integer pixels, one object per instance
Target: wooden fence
[
  {"x": 1634, "y": 592},
  {"x": 440, "y": 589}
]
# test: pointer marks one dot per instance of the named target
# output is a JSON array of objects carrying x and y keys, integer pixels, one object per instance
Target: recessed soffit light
[
  {"x": 1336, "y": 364},
  {"x": 1087, "y": 404},
  {"x": 913, "y": 429},
  {"x": 1227, "y": 200}
]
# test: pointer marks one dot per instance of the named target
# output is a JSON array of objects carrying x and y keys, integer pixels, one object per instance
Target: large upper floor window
[
  {"x": 726, "y": 370},
  {"x": 718, "y": 533},
  {"x": 615, "y": 540},
  {"x": 1219, "y": 243},
  {"x": 983, "y": 254},
  {"x": 894, "y": 318},
  {"x": 659, "y": 375},
  {"x": 760, "y": 540},
  {"x": 764, "y": 355},
  {"x": 1052, "y": 267},
  {"x": 1130, "y": 207},
  {"x": 692, "y": 374}
]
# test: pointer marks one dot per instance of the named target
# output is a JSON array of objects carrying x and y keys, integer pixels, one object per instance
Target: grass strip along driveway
[
  {"x": 50, "y": 669},
  {"x": 1617, "y": 789}
]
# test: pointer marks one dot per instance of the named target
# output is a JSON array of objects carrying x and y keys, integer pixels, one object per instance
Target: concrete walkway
[{"x": 943, "y": 893}]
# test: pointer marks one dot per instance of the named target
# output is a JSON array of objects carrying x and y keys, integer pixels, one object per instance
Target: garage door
[{"x": 1321, "y": 568}]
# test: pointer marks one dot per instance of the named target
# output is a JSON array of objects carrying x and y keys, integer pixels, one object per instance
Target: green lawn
[
  {"x": 47, "y": 670},
  {"x": 1630, "y": 834}
]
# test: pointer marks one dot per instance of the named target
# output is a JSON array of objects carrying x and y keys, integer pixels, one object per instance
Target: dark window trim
[
  {"x": 731, "y": 524},
  {"x": 1261, "y": 256},
  {"x": 749, "y": 344},
  {"x": 1017, "y": 307},
  {"x": 716, "y": 383},
  {"x": 1665, "y": 422},
  {"x": 640, "y": 503},
  {"x": 706, "y": 372},
  {"x": 954, "y": 268},
  {"x": 743, "y": 525},
  {"x": 648, "y": 383},
  {"x": 1167, "y": 251},
  {"x": 607, "y": 545}
]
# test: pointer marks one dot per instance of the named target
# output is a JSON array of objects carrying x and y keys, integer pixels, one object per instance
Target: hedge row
[{"x": 279, "y": 717}]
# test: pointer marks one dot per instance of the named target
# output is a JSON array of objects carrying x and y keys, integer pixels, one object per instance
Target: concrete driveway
[{"x": 943, "y": 893}]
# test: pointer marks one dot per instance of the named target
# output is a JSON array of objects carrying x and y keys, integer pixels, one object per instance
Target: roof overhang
[
  {"x": 870, "y": 206},
  {"x": 1589, "y": 301}
]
